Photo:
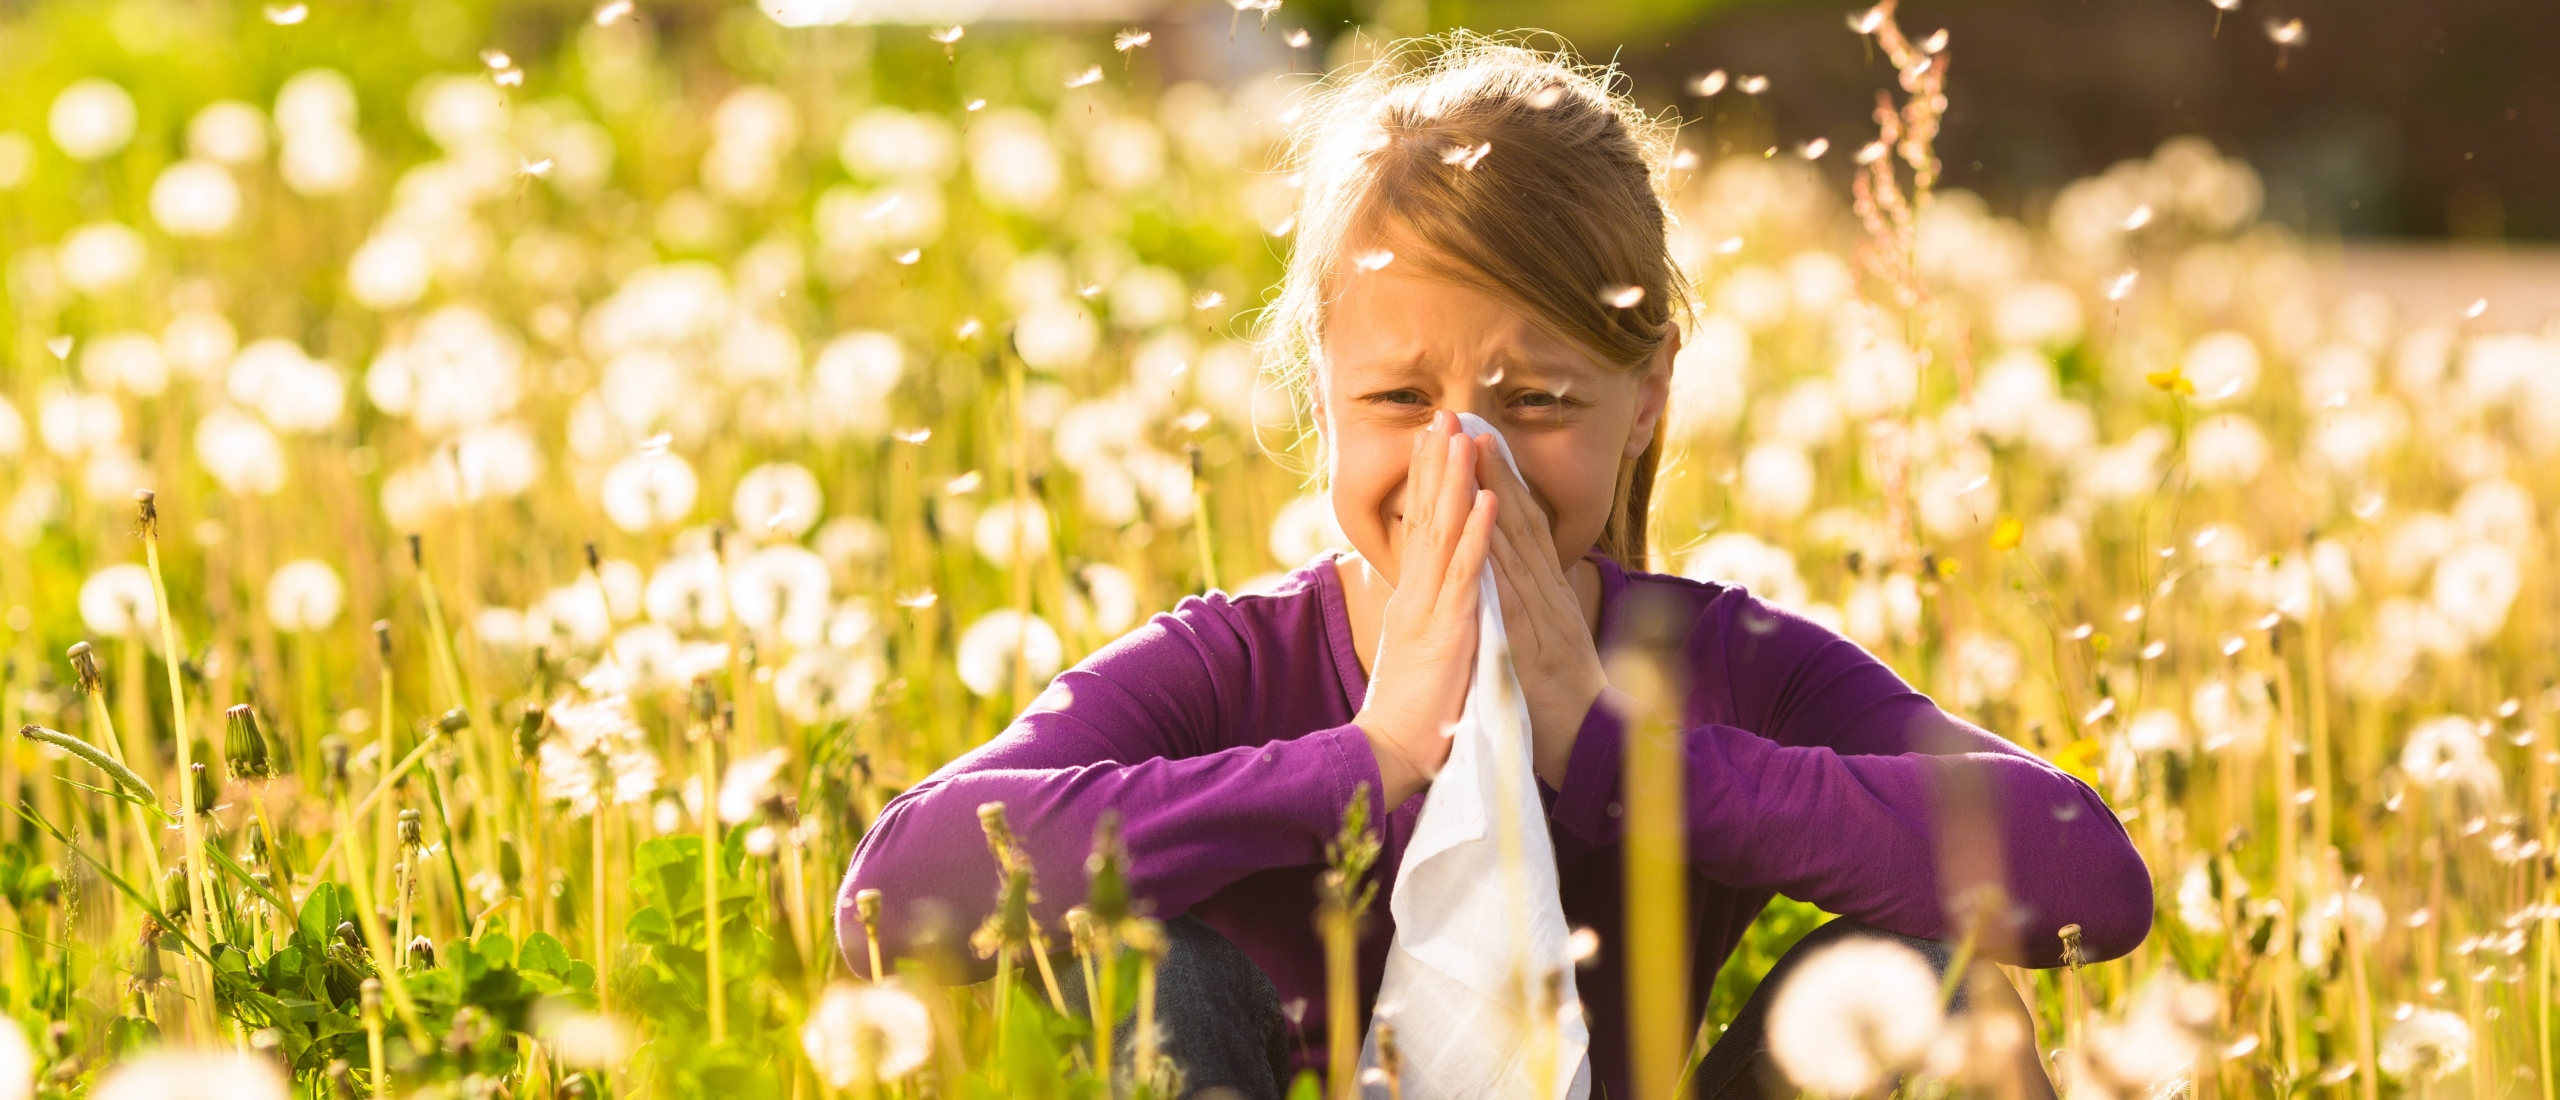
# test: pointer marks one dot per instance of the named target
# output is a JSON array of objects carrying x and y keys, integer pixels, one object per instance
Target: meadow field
[{"x": 492, "y": 504}]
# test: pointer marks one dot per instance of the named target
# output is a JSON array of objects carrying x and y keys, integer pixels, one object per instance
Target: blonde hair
[{"x": 1533, "y": 174}]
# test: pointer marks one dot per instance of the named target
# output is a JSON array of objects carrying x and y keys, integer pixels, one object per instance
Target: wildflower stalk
[
  {"x": 369, "y": 922},
  {"x": 190, "y": 828},
  {"x": 369, "y": 1003},
  {"x": 1201, "y": 535},
  {"x": 2368, "y": 1082},
  {"x": 382, "y": 821},
  {"x": 1020, "y": 566},
  {"x": 1147, "y": 936},
  {"x": 338, "y": 841},
  {"x": 1107, "y": 912},
  {"x": 2288, "y": 848},
  {"x": 603, "y": 944},
  {"x": 707, "y": 765},
  {"x": 1653, "y": 785},
  {"x": 866, "y": 904},
  {"x": 1344, "y": 892}
]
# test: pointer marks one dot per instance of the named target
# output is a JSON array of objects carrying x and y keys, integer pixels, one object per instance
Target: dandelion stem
[
  {"x": 190, "y": 828},
  {"x": 715, "y": 992}
]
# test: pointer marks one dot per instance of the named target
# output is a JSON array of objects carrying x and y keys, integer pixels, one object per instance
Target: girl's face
[{"x": 1401, "y": 344}]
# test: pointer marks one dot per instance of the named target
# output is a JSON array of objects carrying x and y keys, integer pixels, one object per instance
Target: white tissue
[{"x": 1479, "y": 925}]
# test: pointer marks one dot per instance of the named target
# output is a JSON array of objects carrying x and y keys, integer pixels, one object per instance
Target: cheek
[
  {"x": 1577, "y": 480},
  {"x": 1366, "y": 471}
]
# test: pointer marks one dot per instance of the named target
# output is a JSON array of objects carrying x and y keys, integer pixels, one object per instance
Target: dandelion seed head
[
  {"x": 875, "y": 1032},
  {"x": 1852, "y": 1015}
]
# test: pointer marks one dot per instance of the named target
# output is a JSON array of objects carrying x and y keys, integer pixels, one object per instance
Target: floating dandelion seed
[
  {"x": 2226, "y": 5},
  {"x": 657, "y": 444},
  {"x": 1813, "y": 150},
  {"x": 1091, "y": 75},
  {"x": 2121, "y": 286},
  {"x": 1373, "y": 259},
  {"x": 1936, "y": 43},
  {"x": 918, "y": 601},
  {"x": 947, "y": 35},
  {"x": 1297, "y": 38},
  {"x": 60, "y": 346},
  {"x": 508, "y": 78},
  {"x": 288, "y": 15},
  {"x": 974, "y": 105},
  {"x": 1131, "y": 39},
  {"x": 1546, "y": 97},
  {"x": 1282, "y": 227},
  {"x": 1728, "y": 246},
  {"x": 910, "y": 256},
  {"x": 536, "y": 168},
  {"x": 1684, "y": 160},
  {"x": 1867, "y": 21},
  {"x": 2477, "y": 307},
  {"x": 2286, "y": 36},
  {"x": 970, "y": 329},
  {"x": 2140, "y": 217},
  {"x": 1753, "y": 85},
  {"x": 606, "y": 13},
  {"x": 496, "y": 59},
  {"x": 1872, "y": 152},
  {"x": 1708, "y": 85},
  {"x": 964, "y": 483},
  {"x": 1208, "y": 299},
  {"x": 1622, "y": 297},
  {"x": 911, "y": 435},
  {"x": 1466, "y": 156}
]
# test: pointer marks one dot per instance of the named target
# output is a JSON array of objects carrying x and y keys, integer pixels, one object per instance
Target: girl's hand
[
  {"x": 1427, "y": 650},
  {"x": 1551, "y": 646}
]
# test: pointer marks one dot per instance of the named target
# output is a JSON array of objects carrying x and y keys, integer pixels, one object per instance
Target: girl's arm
[
  {"x": 1828, "y": 779},
  {"x": 1142, "y": 728}
]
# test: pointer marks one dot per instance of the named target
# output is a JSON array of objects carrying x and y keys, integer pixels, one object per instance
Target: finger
[
  {"x": 1459, "y": 593},
  {"x": 1523, "y": 516},
  {"x": 1420, "y": 485}
]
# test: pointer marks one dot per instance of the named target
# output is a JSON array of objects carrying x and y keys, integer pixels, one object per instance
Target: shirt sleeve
[
  {"x": 1818, "y": 773},
  {"x": 1143, "y": 728}
]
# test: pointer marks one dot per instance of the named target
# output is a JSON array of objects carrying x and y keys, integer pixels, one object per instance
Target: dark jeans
[{"x": 1219, "y": 1019}]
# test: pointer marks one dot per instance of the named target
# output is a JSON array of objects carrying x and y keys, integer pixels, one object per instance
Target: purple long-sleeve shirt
[{"x": 1221, "y": 732}]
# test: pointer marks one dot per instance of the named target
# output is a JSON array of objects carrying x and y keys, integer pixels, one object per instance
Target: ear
[{"x": 1653, "y": 395}]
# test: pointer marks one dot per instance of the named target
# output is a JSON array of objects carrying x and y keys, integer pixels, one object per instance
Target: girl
[{"x": 1485, "y": 233}]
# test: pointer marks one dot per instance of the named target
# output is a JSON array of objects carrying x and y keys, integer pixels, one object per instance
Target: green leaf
[
  {"x": 1306, "y": 1087},
  {"x": 543, "y": 954},
  {"x": 650, "y": 928},
  {"x": 328, "y": 906}
]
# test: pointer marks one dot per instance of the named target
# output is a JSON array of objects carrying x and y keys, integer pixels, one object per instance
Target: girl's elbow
[{"x": 2115, "y": 915}]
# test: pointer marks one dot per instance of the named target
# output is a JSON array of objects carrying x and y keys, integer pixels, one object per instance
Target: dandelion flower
[
  {"x": 645, "y": 492},
  {"x": 877, "y": 1032},
  {"x": 781, "y": 593},
  {"x": 2475, "y": 585},
  {"x": 1852, "y": 1015},
  {"x": 817, "y": 685},
  {"x": 240, "y": 452},
  {"x": 304, "y": 596},
  {"x": 598, "y": 756},
  {"x": 990, "y": 646},
  {"x": 748, "y": 783},
  {"x": 195, "y": 198},
  {"x": 117, "y": 601},
  {"x": 778, "y": 498},
  {"x": 1010, "y": 529},
  {"x": 2429, "y": 1044},
  {"x": 92, "y": 119},
  {"x": 101, "y": 256},
  {"x": 175, "y": 1074}
]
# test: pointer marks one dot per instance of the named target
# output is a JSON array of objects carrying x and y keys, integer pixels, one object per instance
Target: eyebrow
[{"x": 1383, "y": 368}]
